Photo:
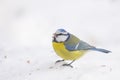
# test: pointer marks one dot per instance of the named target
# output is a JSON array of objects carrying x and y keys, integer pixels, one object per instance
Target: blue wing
[
  {"x": 81, "y": 45},
  {"x": 84, "y": 46}
]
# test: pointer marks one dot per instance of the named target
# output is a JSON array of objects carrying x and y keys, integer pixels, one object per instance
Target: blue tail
[{"x": 101, "y": 50}]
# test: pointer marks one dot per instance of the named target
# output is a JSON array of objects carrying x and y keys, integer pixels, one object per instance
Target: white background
[{"x": 26, "y": 28}]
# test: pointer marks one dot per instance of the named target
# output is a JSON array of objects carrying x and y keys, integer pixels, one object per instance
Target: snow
[{"x": 26, "y": 28}]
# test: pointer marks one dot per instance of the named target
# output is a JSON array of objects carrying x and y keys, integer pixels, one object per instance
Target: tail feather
[{"x": 101, "y": 50}]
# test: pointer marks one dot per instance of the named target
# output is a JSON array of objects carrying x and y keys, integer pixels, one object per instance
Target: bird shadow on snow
[
  {"x": 84, "y": 67},
  {"x": 83, "y": 71},
  {"x": 80, "y": 71}
]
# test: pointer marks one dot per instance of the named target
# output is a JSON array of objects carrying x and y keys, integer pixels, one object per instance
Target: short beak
[{"x": 54, "y": 35}]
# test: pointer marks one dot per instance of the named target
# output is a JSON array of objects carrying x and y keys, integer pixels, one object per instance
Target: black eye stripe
[{"x": 60, "y": 34}]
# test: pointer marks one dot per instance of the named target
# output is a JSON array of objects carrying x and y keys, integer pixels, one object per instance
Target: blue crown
[{"x": 62, "y": 30}]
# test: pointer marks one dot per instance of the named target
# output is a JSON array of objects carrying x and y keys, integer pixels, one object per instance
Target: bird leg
[
  {"x": 59, "y": 61},
  {"x": 69, "y": 64}
]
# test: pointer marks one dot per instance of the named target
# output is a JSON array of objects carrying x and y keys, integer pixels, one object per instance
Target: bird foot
[
  {"x": 68, "y": 65},
  {"x": 59, "y": 61}
]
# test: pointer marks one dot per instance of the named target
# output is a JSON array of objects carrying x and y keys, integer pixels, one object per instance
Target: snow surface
[{"x": 26, "y": 28}]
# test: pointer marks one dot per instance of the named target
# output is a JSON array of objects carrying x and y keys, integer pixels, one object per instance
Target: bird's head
[{"x": 61, "y": 35}]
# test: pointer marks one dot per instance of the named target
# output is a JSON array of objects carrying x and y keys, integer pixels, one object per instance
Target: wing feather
[{"x": 81, "y": 45}]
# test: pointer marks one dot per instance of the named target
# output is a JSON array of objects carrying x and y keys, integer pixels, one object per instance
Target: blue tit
[{"x": 69, "y": 47}]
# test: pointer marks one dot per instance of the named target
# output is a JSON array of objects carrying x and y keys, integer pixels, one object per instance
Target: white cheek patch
[{"x": 61, "y": 38}]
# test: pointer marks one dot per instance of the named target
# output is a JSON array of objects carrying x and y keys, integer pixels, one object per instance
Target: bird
[{"x": 69, "y": 47}]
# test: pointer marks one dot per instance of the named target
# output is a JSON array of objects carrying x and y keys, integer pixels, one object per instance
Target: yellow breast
[{"x": 66, "y": 54}]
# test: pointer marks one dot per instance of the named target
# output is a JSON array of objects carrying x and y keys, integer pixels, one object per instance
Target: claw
[
  {"x": 59, "y": 61},
  {"x": 68, "y": 65}
]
